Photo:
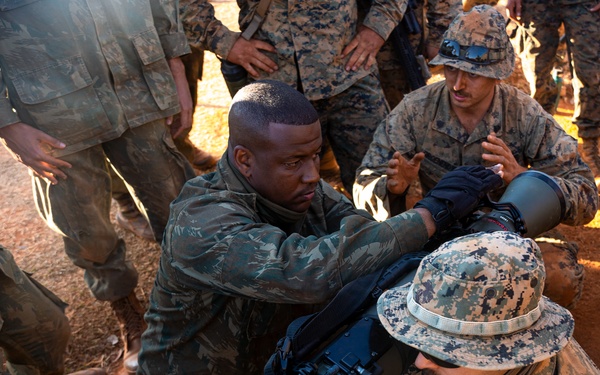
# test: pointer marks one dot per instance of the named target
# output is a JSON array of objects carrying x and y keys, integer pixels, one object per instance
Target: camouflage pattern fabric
[
  {"x": 537, "y": 41},
  {"x": 34, "y": 330},
  {"x": 564, "y": 275},
  {"x": 571, "y": 360},
  {"x": 348, "y": 121},
  {"x": 476, "y": 302},
  {"x": 433, "y": 16},
  {"x": 482, "y": 26},
  {"x": 230, "y": 280},
  {"x": 78, "y": 208},
  {"x": 82, "y": 73},
  {"x": 63, "y": 81},
  {"x": 424, "y": 121},
  {"x": 308, "y": 37}
]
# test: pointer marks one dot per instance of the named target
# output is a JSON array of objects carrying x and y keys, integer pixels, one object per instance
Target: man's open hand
[{"x": 29, "y": 146}]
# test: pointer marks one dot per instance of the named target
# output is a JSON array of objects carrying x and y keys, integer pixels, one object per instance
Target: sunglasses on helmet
[
  {"x": 438, "y": 361},
  {"x": 474, "y": 54}
]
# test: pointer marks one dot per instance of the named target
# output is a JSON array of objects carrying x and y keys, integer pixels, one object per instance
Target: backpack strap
[
  {"x": 257, "y": 19},
  {"x": 307, "y": 332}
]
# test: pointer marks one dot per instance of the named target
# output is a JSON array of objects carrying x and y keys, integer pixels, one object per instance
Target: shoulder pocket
[
  {"x": 52, "y": 81},
  {"x": 148, "y": 47},
  {"x": 59, "y": 98},
  {"x": 156, "y": 69}
]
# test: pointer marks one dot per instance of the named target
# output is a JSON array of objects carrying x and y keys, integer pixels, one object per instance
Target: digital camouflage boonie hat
[
  {"x": 477, "y": 302},
  {"x": 476, "y": 42}
]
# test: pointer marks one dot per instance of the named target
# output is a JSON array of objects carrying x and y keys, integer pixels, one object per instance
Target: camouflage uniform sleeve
[
  {"x": 384, "y": 16},
  {"x": 203, "y": 30},
  {"x": 225, "y": 247},
  {"x": 7, "y": 115},
  {"x": 370, "y": 187},
  {"x": 440, "y": 14},
  {"x": 552, "y": 151},
  {"x": 170, "y": 30}
]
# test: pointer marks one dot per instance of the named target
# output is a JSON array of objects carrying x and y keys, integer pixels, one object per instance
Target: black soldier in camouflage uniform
[
  {"x": 472, "y": 119},
  {"x": 475, "y": 307},
  {"x": 263, "y": 240}
]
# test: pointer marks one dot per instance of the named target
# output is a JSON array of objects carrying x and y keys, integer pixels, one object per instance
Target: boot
[
  {"x": 130, "y": 218},
  {"x": 130, "y": 314},
  {"x": 203, "y": 159},
  {"x": 591, "y": 155},
  {"x": 90, "y": 371}
]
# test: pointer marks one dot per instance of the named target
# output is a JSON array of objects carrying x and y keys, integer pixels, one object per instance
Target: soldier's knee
[{"x": 564, "y": 275}]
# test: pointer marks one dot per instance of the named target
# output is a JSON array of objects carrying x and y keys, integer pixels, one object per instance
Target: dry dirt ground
[{"x": 39, "y": 250}]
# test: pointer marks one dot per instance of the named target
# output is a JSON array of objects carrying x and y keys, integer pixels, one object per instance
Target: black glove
[{"x": 458, "y": 194}]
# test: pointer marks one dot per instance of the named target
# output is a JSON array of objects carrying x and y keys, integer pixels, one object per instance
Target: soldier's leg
[
  {"x": 541, "y": 22},
  {"x": 129, "y": 215},
  {"x": 150, "y": 163},
  {"x": 349, "y": 120},
  {"x": 582, "y": 28},
  {"x": 78, "y": 208},
  {"x": 564, "y": 275},
  {"x": 34, "y": 330}
]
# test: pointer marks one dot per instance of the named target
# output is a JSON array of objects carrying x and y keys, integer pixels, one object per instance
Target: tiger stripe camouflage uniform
[
  {"x": 68, "y": 75},
  {"x": 425, "y": 122},
  {"x": 309, "y": 38},
  {"x": 34, "y": 330},
  {"x": 236, "y": 270}
]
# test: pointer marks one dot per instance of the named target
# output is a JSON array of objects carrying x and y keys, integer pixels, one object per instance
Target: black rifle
[{"x": 399, "y": 37}]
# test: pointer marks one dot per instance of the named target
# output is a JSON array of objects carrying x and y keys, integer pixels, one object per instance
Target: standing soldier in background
[
  {"x": 537, "y": 42},
  {"x": 83, "y": 81},
  {"x": 34, "y": 331},
  {"x": 322, "y": 50}
]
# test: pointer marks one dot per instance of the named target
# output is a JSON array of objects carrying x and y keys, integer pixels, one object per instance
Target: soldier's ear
[{"x": 243, "y": 160}]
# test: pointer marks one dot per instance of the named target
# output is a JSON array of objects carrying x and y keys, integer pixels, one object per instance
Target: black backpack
[{"x": 345, "y": 337}]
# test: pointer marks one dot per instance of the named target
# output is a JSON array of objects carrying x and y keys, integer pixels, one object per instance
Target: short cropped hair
[{"x": 261, "y": 103}]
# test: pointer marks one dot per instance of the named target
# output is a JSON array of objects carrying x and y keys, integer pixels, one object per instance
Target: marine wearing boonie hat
[
  {"x": 476, "y": 42},
  {"x": 476, "y": 302}
]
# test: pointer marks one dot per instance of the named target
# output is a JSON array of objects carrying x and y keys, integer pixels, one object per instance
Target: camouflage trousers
[
  {"x": 564, "y": 275},
  {"x": 78, "y": 208},
  {"x": 395, "y": 85},
  {"x": 348, "y": 121},
  {"x": 537, "y": 44},
  {"x": 34, "y": 330}
]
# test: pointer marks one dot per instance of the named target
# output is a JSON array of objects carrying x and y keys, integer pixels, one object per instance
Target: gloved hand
[{"x": 458, "y": 193}]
